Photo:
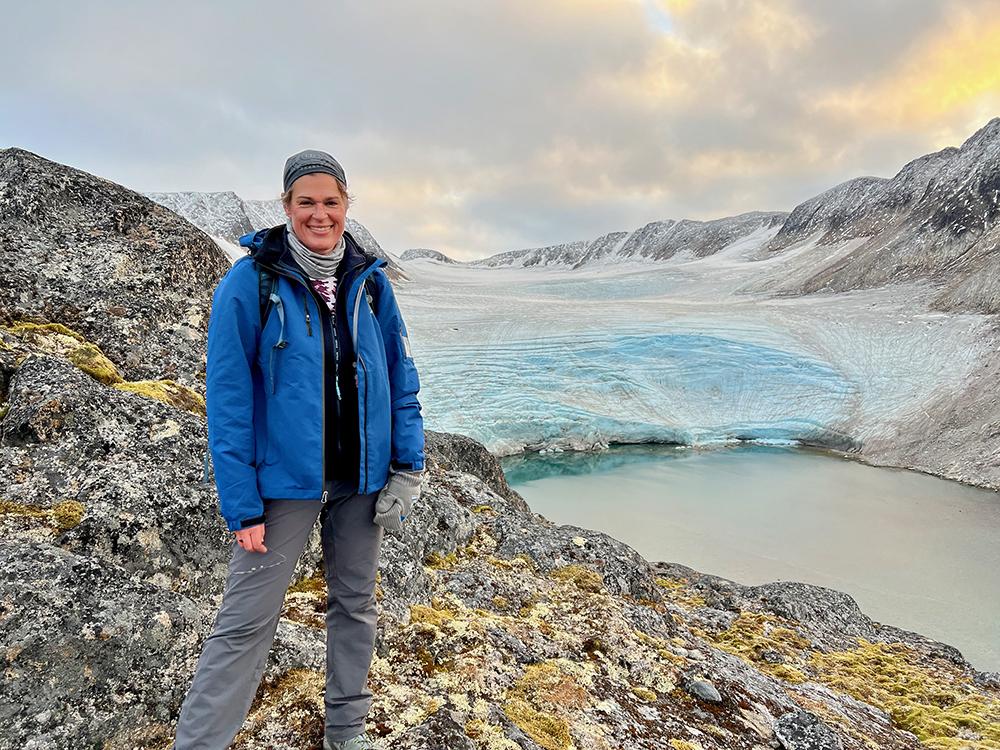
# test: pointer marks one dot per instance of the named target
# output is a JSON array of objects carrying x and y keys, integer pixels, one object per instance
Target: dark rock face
[
  {"x": 123, "y": 271},
  {"x": 134, "y": 464},
  {"x": 801, "y": 730},
  {"x": 91, "y": 653}
]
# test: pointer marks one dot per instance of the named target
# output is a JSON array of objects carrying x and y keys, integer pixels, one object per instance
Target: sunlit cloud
[{"x": 480, "y": 127}]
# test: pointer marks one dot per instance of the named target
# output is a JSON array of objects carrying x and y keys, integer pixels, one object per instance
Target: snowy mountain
[
  {"x": 425, "y": 253},
  {"x": 226, "y": 217},
  {"x": 566, "y": 254},
  {"x": 935, "y": 220},
  {"x": 658, "y": 240}
]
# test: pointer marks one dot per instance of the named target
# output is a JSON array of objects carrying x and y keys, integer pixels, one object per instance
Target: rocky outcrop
[
  {"x": 108, "y": 263},
  {"x": 498, "y": 629}
]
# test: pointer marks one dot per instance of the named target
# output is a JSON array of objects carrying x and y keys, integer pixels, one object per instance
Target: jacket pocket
[{"x": 280, "y": 344}]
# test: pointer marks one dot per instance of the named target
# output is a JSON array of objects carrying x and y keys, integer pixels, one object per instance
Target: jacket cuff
[
  {"x": 248, "y": 522},
  {"x": 416, "y": 466}
]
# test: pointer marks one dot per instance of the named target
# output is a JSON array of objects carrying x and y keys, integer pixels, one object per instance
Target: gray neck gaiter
[{"x": 315, "y": 265}]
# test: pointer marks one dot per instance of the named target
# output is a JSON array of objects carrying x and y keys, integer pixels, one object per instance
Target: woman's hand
[{"x": 251, "y": 538}]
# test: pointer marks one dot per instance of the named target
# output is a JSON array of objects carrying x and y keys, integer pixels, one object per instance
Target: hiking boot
[{"x": 361, "y": 742}]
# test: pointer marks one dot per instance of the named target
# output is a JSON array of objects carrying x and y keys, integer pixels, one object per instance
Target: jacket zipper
[{"x": 290, "y": 273}]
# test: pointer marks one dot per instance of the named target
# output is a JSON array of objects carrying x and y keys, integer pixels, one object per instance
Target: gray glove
[{"x": 396, "y": 499}]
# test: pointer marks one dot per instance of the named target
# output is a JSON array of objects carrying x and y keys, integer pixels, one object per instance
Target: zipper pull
[
  {"x": 325, "y": 493},
  {"x": 305, "y": 304}
]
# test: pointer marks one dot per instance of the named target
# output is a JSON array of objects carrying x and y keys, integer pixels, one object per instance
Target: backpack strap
[{"x": 266, "y": 284}]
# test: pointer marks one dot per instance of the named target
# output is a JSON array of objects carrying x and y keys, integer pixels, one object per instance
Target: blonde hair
[{"x": 286, "y": 197}]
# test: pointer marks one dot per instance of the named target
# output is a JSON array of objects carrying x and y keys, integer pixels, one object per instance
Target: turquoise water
[{"x": 915, "y": 551}]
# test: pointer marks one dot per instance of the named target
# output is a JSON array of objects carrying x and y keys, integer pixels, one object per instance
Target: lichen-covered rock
[
  {"x": 801, "y": 730},
  {"x": 129, "y": 275},
  {"x": 91, "y": 655}
]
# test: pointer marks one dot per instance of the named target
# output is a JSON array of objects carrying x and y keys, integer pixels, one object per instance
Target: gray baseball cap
[{"x": 311, "y": 161}]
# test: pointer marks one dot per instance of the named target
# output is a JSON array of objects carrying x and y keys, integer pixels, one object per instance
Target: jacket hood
[{"x": 269, "y": 246}]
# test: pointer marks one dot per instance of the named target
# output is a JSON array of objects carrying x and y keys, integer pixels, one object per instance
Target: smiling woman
[
  {"x": 311, "y": 396},
  {"x": 316, "y": 206}
]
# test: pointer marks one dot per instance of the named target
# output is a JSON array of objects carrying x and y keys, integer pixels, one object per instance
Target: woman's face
[{"x": 318, "y": 211}]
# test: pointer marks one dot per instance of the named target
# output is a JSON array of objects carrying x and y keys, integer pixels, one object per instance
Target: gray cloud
[{"x": 476, "y": 127}]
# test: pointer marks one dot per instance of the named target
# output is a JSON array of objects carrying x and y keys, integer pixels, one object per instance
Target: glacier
[{"x": 688, "y": 353}]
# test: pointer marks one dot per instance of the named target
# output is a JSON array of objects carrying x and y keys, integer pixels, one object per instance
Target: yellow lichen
[
  {"x": 938, "y": 704},
  {"x": 482, "y": 509},
  {"x": 684, "y": 745},
  {"x": 584, "y": 578},
  {"x": 644, "y": 693},
  {"x": 62, "y": 516},
  {"x": 167, "y": 391},
  {"x": 92, "y": 361},
  {"x": 489, "y": 736},
  {"x": 437, "y": 561},
  {"x": 67, "y": 514}
]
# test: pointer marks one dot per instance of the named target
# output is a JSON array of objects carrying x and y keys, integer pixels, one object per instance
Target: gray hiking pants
[{"x": 234, "y": 656}]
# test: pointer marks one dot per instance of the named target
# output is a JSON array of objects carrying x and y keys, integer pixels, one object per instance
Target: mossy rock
[
  {"x": 583, "y": 578},
  {"x": 167, "y": 391},
  {"x": 22, "y": 328},
  {"x": 62, "y": 516},
  {"x": 67, "y": 514},
  {"x": 92, "y": 361},
  {"x": 937, "y": 705},
  {"x": 547, "y": 730}
]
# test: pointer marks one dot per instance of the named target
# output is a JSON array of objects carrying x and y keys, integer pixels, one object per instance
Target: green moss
[
  {"x": 644, "y": 694},
  {"x": 92, "y": 361},
  {"x": 62, "y": 516},
  {"x": 684, "y": 745},
  {"x": 22, "y": 328},
  {"x": 10, "y": 508},
  {"x": 438, "y": 561},
  {"x": 676, "y": 590},
  {"x": 547, "y": 730},
  {"x": 167, "y": 391},
  {"x": 583, "y": 578},
  {"x": 938, "y": 705},
  {"x": 67, "y": 514},
  {"x": 537, "y": 699},
  {"x": 438, "y": 617},
  {"x": 753, "y": 634},
  {"x": 313, "y": 584},
  {"x": 4, "y": 408}
]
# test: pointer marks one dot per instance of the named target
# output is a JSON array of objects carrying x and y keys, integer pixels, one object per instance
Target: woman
[{"x": 312, "y": 412}]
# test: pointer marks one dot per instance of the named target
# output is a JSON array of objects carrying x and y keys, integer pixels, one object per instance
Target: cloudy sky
[{"x": 479, "y": 126}]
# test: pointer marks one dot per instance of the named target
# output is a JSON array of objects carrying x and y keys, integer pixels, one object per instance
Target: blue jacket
[{"x": 266, "y": 389}]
